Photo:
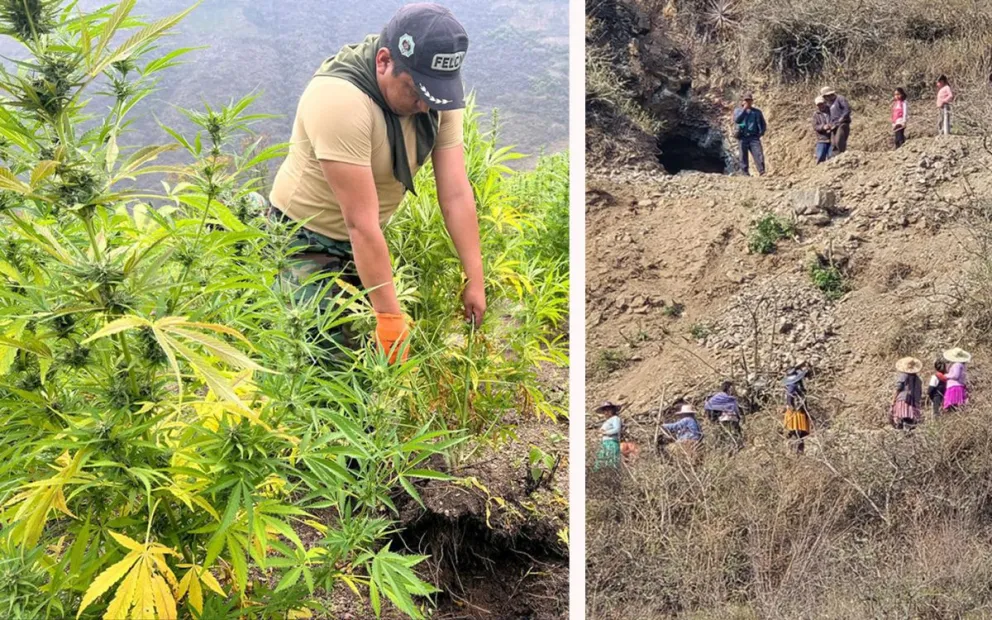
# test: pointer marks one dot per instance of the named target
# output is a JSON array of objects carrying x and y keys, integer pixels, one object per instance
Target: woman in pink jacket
[
  {"x": 957, "y": 379},
  {"x": 944, "y": 99},
  {"x": 900, "y": 113}
]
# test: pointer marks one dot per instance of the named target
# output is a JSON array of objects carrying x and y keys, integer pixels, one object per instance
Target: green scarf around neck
[{"x": 356, "y": 64}]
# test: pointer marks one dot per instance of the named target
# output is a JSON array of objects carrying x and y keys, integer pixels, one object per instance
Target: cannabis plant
[{"x": 179, "y": 439}]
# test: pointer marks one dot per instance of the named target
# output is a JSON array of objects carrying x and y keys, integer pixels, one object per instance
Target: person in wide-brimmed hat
[
  {"x": 840, "y": 119},
  {"x": 609, "y": 448},
  {"x": 797, "y": 419},
  {"x": 685, "y": 432},
  {"x": 908, "y": 394},
  {"x": 957, "y": 378}
]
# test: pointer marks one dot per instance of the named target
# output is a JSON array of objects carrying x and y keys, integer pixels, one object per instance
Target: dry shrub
[
  {"x": 869, "y": 44},
  {"x": 867, "y": 524}
]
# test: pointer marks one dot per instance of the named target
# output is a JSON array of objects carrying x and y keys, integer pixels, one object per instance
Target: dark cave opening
[{"x": 700, "y": 151}]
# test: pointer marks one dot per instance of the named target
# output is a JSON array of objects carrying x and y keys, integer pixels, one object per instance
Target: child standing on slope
[
  {"x": 944, "y": 99},
  {"x": 900, "y": 113},
  {"x": 937, "y": 386}
]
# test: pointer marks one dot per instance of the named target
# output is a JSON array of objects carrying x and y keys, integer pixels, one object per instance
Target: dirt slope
[{"x": 655, "y": 240}]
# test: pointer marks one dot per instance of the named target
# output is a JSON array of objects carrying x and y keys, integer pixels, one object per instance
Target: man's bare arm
[
  {"x": 354, "y": 188},
  {"x": 454, "y": 193}
]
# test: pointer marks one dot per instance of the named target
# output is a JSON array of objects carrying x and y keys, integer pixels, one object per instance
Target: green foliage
[
  {"x": 828, "y": 278},
  {"x": 611, "y": 360},
  {"x": 522, "y": 216},
  {"x": 540, "y": 464},
  {"x": 172, "y": 418},
  {"x": 766, "y": 232},
  {"x": 699, "y": 331},
  {"x": 673, "y": 310}
]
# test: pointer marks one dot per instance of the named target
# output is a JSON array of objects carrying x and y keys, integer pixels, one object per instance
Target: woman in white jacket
[{"x": 609, "y": 449}]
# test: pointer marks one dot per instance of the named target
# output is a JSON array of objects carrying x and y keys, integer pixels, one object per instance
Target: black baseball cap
[{"x": 427, "y": 41}]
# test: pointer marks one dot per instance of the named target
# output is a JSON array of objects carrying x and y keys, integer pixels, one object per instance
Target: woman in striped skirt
[{"x": 908, "y": 394}]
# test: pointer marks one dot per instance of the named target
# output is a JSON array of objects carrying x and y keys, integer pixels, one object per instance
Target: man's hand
[
  {"x": 392, "y": 334},
  {"x": 474, "y": 299}
]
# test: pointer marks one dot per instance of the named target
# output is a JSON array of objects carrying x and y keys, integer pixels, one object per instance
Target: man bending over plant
[{"x": 367, "y": 121}]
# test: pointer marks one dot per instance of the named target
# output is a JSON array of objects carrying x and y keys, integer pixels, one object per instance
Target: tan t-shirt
[{"x": 336, "y": 121}]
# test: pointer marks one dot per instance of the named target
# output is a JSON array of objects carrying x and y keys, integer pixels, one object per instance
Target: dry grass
[{"x": 868, "y": 524}]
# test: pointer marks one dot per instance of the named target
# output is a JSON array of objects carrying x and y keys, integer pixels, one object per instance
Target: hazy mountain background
[{"x": 517, "y": 60}]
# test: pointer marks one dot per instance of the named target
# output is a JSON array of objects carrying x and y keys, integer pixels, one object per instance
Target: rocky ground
[{"x": 675, "y": 301}]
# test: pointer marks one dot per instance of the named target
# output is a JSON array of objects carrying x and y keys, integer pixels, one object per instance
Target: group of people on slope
[
  {"x": 831, "y": 123},
  {"x": 722, "y": 409},
  {"x": 947, "y": 390}
]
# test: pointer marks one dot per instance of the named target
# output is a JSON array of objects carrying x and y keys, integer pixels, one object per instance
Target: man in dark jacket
[
  {"x": 750, "y": 127},
  {"x": 840, "y": 119},
  {"x": 823, "y": 129}
]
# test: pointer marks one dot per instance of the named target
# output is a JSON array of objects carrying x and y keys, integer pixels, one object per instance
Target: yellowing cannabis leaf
[
  {"x": 192, "y": 583},
  {"x": 145, "y": 593},
  {"x": 39, "y": 498}
]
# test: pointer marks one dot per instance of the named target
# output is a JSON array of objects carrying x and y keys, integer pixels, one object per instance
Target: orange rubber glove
[{"x": 391, "y": 330}]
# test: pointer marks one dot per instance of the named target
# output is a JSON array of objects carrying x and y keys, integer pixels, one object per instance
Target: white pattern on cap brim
[{"x": 432, "y": 98}]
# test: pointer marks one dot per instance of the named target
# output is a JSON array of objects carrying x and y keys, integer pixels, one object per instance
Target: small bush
[
  {"x": 799, "y": 50},
  {"x": 766, "y": 233},
  {"x": 920, "y": 28},
  {"x": 674, "y": 310},
  {"x": 829, "y": 279},
  {"x": 699, "y": 331},
  {"x": 611, "y": 360}
]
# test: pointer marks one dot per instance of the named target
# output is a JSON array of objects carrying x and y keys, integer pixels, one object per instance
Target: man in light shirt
[{"x": 366, "y": 122}]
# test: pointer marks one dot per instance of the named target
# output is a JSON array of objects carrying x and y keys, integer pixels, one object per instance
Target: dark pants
[
  {"x": 839, "y": 138},
  {"x": 905, "y": 424},
  {"x": 797, "y": 441},
  {"x": 944, "y": 121},
  {"x": 752, "y": 145},
  {"x": 822, "y": 152},
  {"x": 314, "y": 254},
  {"x": 900, "y": 136}
]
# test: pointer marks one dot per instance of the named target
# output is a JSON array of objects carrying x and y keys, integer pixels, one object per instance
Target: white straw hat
[
  {"x": 957, "y": 354},
  {"x": 910, "y": 365}
]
